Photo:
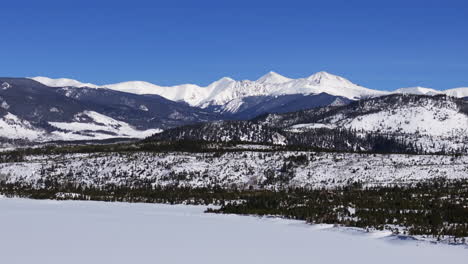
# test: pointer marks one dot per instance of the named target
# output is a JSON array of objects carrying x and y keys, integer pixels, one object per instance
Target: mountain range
[
  {"x": 225, "y": 90},
  {"x": 45, "y": 109}
]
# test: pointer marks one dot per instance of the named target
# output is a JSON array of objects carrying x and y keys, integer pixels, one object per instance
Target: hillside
[
  {"x": 32, "y": 111},
  {"x": 413, "y": 123}
]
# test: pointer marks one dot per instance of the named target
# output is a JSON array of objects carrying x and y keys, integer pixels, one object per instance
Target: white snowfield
[
  {"x": 226, "y": 89},
  {"x": 88, "y": 125},
  {"x": 57, "y": 232},
  {"x": 239, "y": 169}
]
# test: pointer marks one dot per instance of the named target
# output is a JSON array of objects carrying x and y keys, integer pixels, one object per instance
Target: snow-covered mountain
[
  {"x": 229, "y": 92},
  {"x": 62, "y": 82},
  {"x": 32, "y": 111},
  {"x": 457, "y": 92},
  {"x": 418, "y": 90},
  {"x": 225, "y": 90}
]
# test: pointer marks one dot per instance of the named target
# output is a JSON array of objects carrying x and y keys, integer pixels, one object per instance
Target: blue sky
[{"x": 378, "y": 44}]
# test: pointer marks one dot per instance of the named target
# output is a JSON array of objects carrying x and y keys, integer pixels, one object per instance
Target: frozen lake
[{"x": 96, "y": 232}]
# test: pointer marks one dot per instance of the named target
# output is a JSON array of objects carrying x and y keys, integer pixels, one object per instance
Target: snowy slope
[
  {"x": 88, "y": 125},
  {"x": 93, "y": 125},
  {"x": 457, "y": 92},
  {"x": 15, "y": 128},
  {"x": 426, "y": 120},
  {"x": 189, "y": 93},
  {"x": 431, "y": 116},
  {"x": 62, "y": 82},
  {"x": 76, "y": 232}
]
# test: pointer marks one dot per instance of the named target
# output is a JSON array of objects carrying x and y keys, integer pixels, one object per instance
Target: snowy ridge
[
  {"x": 62, "y": 82},
  {"x": 457, "y": 92},
  {"x": 227, "y": 89},
  {"x": 418, "y": 91}
]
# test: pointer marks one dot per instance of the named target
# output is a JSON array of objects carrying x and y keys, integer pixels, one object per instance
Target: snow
[
  {"x": 189, "y": 93},
  {"x": 62, "y": 82},
  {"x": 5, "y": 86},
  {"x": 144, "y": 108},
  {"x": 434, "y": 125},
  {"x": 101, "y": 127},
  {"x": 418, "y": 90},
  {"x": 87, "y": 125},
  {"x": 227, "y": 89},
  {"x": 300, "y": 127},
  {"x": 455, "y": 92},
  {"x": 5, "y": 105},
  {"x": 98, "y": 232},
  {"x": 421, "y": 120},
  {"x": 242, "y": 169},
  {"x": 13, "y": 127},
  {"x": 458, "y": 92},
  {"x": 273, "y": 78}
]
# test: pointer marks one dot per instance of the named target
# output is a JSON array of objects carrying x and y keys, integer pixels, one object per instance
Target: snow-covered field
[
  {"x": 97, "y": 232},
  {"x": 241, "y": 169}
]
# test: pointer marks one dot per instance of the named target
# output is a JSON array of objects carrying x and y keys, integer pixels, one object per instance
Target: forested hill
[{"x": 393, "y": 123}]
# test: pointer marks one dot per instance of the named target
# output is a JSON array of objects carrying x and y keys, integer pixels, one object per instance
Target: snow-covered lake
[{"x": 97, "y": 232}]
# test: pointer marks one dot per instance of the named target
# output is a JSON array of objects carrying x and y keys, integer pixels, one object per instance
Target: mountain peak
[
  {"x": 417, "y": 90},
  {"x": 323, "y": 77},
  {"x": 226, "y": 79},
  {"x": 273, "y": 78}
]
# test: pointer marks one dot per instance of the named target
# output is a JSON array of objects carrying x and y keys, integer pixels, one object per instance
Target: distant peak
[
  {"x": 273, "y": 77},
  {"x": 225, "y": 79},
  {"x": 417, "y": 90},
  {"x": 323, "y": 74},
  {"x": 324, "y": 77},
  {"x": 61, "y": 82}
]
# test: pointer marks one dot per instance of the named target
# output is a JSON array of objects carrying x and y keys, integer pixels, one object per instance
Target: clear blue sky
[{"x": 377, "y": 45}]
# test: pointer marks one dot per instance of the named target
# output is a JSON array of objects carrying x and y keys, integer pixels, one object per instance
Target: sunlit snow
[{"x": 98, "y": 232}]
